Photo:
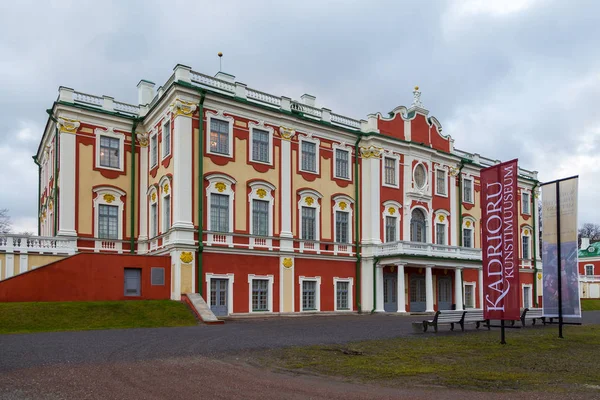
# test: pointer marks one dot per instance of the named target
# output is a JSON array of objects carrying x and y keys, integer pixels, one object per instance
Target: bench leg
[
  {"x": 533, "y": 322},
  {"x": 512, "y": 323},
  {"x": 544, "y": 320},
  {"x": 435, "y": 328},
  {"x": 424, "y": 326},
  {"x": 477, "y": 325},
  {"x": 452, "y": 326},
  {"x": 487, "y": 322},
  {"x": 523, "y": 322},
  {"x": 462, "y": 326}
]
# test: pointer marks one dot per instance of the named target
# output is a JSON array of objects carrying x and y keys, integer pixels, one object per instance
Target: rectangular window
[
  {"x": 467, "y": 190},
  {"x": 440, "y": 233},
  {"x": 154, "y": 220},
  {"x": 341, "y": 290},
  {"x": 219, "y": 136},
  {"x": 341, "y": 164},
  {"x": 526, "y": 297},
  {"x": 260, "y": 295},
  {"x": 260, "y": 145},
  {"x": 390, "y": 229},
  {"x": 153, "y": 150},
  {"x": 309, "y": 156},
  {"x": 525, "y": 203},
  {"x": 469, "y": 298},
  {"x": 219, "y": 212},
  {"x": 108, "y": 222},
  {"x": 341, "y": 227},
  {"x": 390, "y": 171},
  {"x": 167, "y": 139},
  {"x": 157, "y": 276},
  {"x": 166, "y": 213},
  {"x": 260, "y": 217},
  {"x": 440, "y": 184},
  {"x": 309, "y": 223},
  {"x": 467, "y": 237},
  {"x": 109, "y": 152},
  {"x": 309, "y": 295},
  {"x": 526, "y": 247},
  {"x": 589, "y": 269}
]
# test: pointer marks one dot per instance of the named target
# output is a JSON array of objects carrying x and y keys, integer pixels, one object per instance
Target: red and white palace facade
[{"x": 265, "y": 204}]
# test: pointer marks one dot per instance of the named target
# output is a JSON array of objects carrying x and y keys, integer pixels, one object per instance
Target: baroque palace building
[{"x": 264, "y": 204}]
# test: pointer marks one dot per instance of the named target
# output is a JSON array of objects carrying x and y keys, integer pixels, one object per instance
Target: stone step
[{"x": 202, "y": 309}]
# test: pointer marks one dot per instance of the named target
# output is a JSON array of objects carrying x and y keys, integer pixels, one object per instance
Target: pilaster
[
  {"x": 428, "y": 289},
  {"x": 458, "y": 288},
  {"x": 379, "y": 289},
  {"x": 286, "y": 189},
  {"x": 370, "y": 194},
  {"x": 143, "y": 199},
  {"x": 401, "y": 289},
  {"x": 66, "y": 176}
]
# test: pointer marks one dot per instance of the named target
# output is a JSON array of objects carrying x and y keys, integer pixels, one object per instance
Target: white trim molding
[
  {"x": 471, "y": 179},
  {"x": 391, "y": 208},
  {"x": 262, "y": 127},
  {"x": 219, "y": 115},
  {"x": 108, "y": 195},
  {"x": 343, "y": 203},
  {"x": 165, "y": 191},
  {"x": 263, "y": 191},
  {"x": 350, "y": 282},
  {"x": 310, "y": 139},
  {"x": 110, "y": 133},
  {"x": 441, "y": 217},
  {"x": 530, "y": 286},
  {"x": 469, "y": 224},
  {"x": 220, "y": 184},
  {"x": 342, "y": 147},
  {"x": 230, "y": 280},
  {"x": 317, "y": 279},
  {"x": 153, "y": 225},
  {"x": 310, "y": 198},
  {"x": 444, "y": 170},
  {"x": 269, "y": 278},
  {"x": 396, "y": 158}
]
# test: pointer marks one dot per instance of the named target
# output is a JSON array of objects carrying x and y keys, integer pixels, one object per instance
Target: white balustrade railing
[
  {"x": 212, "y": 82},
  {"x": 126, "y": 108},
  {"x": 589, "y": 278},
  {"x": 340, "y": 119},
  {"x": 37, "y": 244},
  {"x": 303, "y": 108},
  {"x": 427, "y": 249},
  {"x": 79, "y": 97},
  {"x": 263, "y": 97}
]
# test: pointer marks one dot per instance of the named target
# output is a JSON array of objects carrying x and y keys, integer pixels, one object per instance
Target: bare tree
[
  {"x": 5, "y": 225},
  {"x": 589, "y": 230}
]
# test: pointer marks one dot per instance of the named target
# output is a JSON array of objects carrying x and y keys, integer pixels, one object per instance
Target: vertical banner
[
  {"x": 500, "y": 241},
  {"x": 567, "y": 240}
]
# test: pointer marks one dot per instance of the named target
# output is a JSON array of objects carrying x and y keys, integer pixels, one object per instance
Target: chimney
[
  {"x": 224, "y": 76},
  {"x": 585, "y": 243},
  {"x": 308, "y": 99},
  {"x": 145, "y": 92}
]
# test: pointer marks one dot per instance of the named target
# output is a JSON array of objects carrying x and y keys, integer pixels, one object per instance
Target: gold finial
[
  {"x": 220, "y": 54},
  {"x": 417, "y": 87}
]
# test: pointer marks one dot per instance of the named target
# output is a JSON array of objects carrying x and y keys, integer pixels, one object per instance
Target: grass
[
  {"x": 590, "y": 305},
  {"x": 75, "y": 316},
  {"x": 534, "y": 359}
]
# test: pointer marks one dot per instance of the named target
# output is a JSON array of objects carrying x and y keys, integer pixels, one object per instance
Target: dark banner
[{"x": 500, "y": 241}]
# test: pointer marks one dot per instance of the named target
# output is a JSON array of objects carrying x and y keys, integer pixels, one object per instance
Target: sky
[{"x": 506, "y": 79}]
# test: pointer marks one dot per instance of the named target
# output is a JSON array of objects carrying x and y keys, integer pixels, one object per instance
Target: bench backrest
[
  {"x": 534, "y": 313},
  {"x": 449, "y": 315},
  {"x": 474, "y": 314}
]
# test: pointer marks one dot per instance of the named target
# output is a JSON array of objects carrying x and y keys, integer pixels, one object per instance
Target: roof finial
[
  {"x": 220, "y": 57},
  {"x": 417, "y": 98}
]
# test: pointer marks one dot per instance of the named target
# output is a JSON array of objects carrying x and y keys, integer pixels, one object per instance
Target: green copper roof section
[{"x": 593, "y": 250}]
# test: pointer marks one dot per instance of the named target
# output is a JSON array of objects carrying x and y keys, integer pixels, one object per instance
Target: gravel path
[{"x": 200, "y": 361}]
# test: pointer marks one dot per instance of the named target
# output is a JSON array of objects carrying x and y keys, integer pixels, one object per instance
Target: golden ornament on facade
[
  {"x": 392, "y": 268},
  {"x": 261, "y": 193},
  {"x": 287, "y": 262},
  {"x": 539, "y": 275},
  {"x": 153, "y": 197},
  {"x": 109, "y": 198},
  {"x": 166, "y": 188},
  {"x": 68, "y": 125},
  {"x": 286, "y": 133},
  {"x": 309, "y": 200},
  {"x": 468, "y": 224},
  {"x": 50, "y": 206},
  {"x": 181, "y": 107},
  {"x": 143, "y": 139},
  {"x": 441, "y": 218},
  {"x": 371, "y": 152},
  {"x": 220, "y": 186},
  {"x": 391, "y": 210},
  {"x": 526, "y": 232},
  {"x": 186, "y": 257},
  {"x": 343, "y": 205}
]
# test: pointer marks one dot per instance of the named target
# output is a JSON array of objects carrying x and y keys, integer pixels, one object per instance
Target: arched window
[{"x": 417, "y": 226}]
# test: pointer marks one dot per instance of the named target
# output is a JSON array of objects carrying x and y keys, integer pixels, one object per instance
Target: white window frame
[
  {"x": 153, "y": 158},
  {"x": 151, "y": 227},
  {"x": 585, "y": 269},
  {"x": 414, "y": 181},
  {"x": 230, "y": 281},
  {"x": 167, "y": 122},
  {"x": 530, "y": 286},
  {"x": 347, "y": 149},
  {"x": 215, "y": 182},
  {"x": 445, "y": 172},
  {"x": 349, "y": 205},
  {"x": 396, "y": 159},
  {"x": 471, "y": 228},
  {"x": 397, "y": 214},
  {"x": 444, "y": 221},
  {"x": 110, "y": 133},
  {"x": 316, "y": 279},
  {"x": 165, "y": 183},
  {"x": 350, "y": 282},
  {"x": 210, "y": 115},
  {"x": 103, "y": 196},
  {"x": 316, "y": 197},
  {"x": 251, "y": 277},
  {"x": 528, "y": 202},
  {"x": 473, "y": 286},
  {"x": 472, "y": 180},
  {"x": 261, "y": 127},
  {"x": 256, "y": 193},
  {"x": 317, "y": 144},
  {"x": 523, "y": 234}
]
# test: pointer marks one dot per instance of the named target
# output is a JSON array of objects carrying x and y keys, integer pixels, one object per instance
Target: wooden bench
[
  {"x": 474, "y": 315},
  {"x": 532, "y": 314},
  {"x": 445, "y": 317}
]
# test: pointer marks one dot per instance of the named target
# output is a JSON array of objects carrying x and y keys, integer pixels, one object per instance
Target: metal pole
[
  {"x": 559, "y": 262},
  {"x": 502, "y": 336}
]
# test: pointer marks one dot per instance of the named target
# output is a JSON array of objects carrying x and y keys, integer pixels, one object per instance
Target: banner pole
[
  {"x": 502, "y": 336},
  {"x": 559, "y": 262}
]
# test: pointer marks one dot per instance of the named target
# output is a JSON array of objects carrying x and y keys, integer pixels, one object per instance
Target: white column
[
  {"x": 66, "y": 183},
  {"x": 379, "y": 293},
  {"x": 428, "y": 289},
  {"x": 406, "y": 201},
  {"x": 370, "y": 199},
  {"x": 143, "y": 198},
  {"x": 176, "y": 274},
  {"x": 458, "y": 297},
  {"x": 366, "y": 285},
  {"x": 286, "y": 190},
  {"x": 401, "y": 289},
  {"x": 182, "y": 176},
  {"x": 454, "y": 212},
  {"x": 10, "y": 265},
  {"x": 480, "y": 287}
]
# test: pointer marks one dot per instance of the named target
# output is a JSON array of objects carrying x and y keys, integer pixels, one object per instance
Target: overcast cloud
[{"x": 505, "y": 78}]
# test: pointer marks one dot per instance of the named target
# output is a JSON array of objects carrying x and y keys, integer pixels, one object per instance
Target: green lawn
[
  {"x": 533, "y": 359},
  {"x": 75, "y": 316},
  {"x": 590, "y": 304}
]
